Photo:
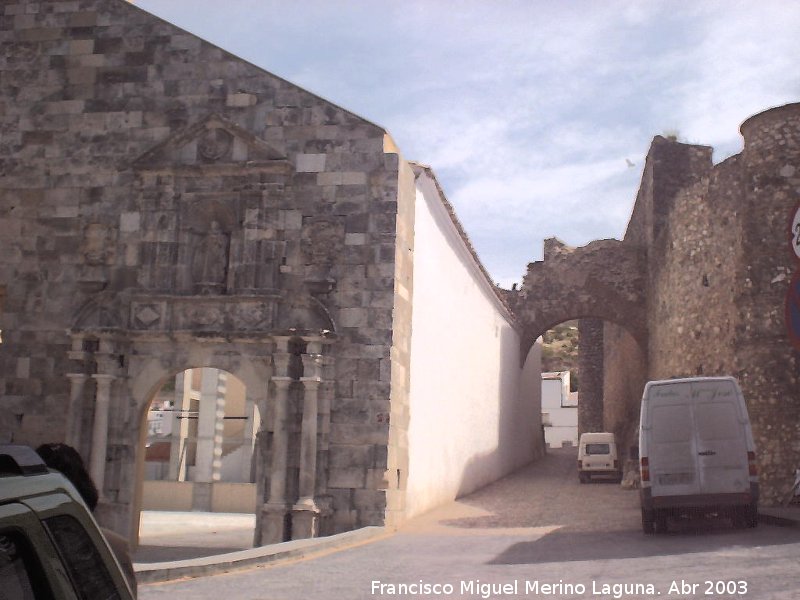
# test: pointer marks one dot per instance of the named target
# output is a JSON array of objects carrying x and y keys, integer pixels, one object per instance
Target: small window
[
  {"x": 598, "y": 449},
  {"x": 85, "y": 565},
  {"x": 20, "y": 576}
]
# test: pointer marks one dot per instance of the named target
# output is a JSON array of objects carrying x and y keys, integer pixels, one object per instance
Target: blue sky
[{"x": 526, "y": 110}]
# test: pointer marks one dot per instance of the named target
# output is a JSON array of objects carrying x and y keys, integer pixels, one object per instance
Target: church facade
[{"x": 166, "y": 205}]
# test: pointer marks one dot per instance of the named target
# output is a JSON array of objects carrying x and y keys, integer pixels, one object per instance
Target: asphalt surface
[{"x": 537, "y": 525}]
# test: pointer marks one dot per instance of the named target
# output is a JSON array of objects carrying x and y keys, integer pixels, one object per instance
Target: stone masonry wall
[
  {"x": 719, "y": 271},
  {"x": 768, "y": 365},
  {"x": 625, "y": 373},
  {"x": 714, "y": 240},
  {"x": 590, "y": 366},
  {"x": 132, "y": 154},
  {"x": 693, "y": 280}
]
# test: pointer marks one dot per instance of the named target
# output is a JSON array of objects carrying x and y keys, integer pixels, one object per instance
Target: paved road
[{"x": 513, "y": 539}]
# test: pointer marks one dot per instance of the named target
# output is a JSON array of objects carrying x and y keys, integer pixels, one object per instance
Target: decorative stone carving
[
  {"x": 98, "y": 244},
  {"x": 203, "y": 315},
  {"x": 210, "y": 260},
  {"x": 256, "y": 316},
  {"x": 214, "y": 145},
  {"x": 147, "y": 315},
  {"x": 206, "y": 314},
  {"x": 212, "y": 142}
]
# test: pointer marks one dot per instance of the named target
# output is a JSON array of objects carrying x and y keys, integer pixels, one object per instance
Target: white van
[
  {"x": 597, "y": 455},
  {"x": 696, "y": 452}
]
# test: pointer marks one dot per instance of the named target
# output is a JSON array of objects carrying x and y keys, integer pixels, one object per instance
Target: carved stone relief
[
  {"x": 214, "y": 145},
  {"x": 210, "y": 256},
  {"x": 98, "y": 247}
]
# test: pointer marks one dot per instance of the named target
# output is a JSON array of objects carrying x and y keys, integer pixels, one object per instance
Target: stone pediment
[{"x": 211, "y": 143}]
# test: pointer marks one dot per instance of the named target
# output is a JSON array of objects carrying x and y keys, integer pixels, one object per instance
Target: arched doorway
[{"x": 199, "y": 468}]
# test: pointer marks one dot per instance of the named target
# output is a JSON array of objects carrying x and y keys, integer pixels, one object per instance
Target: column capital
[
  {"x": 281, "y": 360},
  {"x": 103, "y": 377},
  {"x": 282, "y": 382},
  {"x": 311, "y": 382},
  {"x": 77, "y": 376},
  {"x": 307, "y": 503}
]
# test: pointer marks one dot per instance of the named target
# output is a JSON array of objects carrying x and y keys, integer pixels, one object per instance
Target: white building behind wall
[
  {"x": 474, "y": 404},
  {"x": 559, "y": 410}
]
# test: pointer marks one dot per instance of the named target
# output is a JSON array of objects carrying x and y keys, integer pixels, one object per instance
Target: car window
[
  {"x": 598, "y": 449},
  {"x": 20, "y": 575},
  {"x": 85, "y": 565}
]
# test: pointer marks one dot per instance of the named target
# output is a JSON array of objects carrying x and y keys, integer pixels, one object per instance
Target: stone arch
[
  {"x": 158, "y": 362},
  {"x": 606, "y": 280},
  {"x": 102, "y": 311},
  {"x": 598, "y": 284},
  {"x": 124, "y": 347}
]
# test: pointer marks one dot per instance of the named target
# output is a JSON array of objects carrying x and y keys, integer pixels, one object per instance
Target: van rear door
[
  {"x": 672, "y": 453},
  {"x": 721, "y": 437}
]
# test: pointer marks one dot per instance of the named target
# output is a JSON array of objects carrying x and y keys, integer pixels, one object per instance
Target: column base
[
  {"x": 274, "y": 524},
  {"x": 305, "y": 519}
]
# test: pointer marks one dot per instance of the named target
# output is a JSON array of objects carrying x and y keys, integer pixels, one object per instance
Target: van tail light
[
  {"x": 645, "y": 468},
  {"x": 579, "y": 463},
  {"x": 616, "y": 464},
  {"x": 751, "y": 464}
]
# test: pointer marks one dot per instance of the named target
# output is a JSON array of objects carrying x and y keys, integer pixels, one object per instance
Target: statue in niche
[
  {"x": 98, "y": 244},
  {"x": 210, "y": 261}
]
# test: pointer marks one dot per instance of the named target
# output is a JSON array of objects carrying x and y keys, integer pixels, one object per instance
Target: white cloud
[{"x": 525, "y": 109}]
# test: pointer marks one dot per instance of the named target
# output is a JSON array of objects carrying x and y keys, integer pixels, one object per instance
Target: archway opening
[
  {"x": 560, "y": 378},
  {"x": 198, "y": 488},
  {"x": 593, "y": 373}
]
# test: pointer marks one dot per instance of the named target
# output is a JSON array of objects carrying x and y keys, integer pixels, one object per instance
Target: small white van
[
  {"x": 597, "y": 455},
  {"x": 696, "y": 452}
]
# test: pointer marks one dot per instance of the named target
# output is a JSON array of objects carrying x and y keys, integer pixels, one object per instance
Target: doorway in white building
[
  {"x": 199, "y": 491},
  {"x": 559, "y": 385}
]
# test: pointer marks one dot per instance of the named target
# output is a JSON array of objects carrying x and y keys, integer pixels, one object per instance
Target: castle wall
[
  {"x": 625, "y": 373},
  {"x": 768, "y": 365},
  {"x": 719, "y": 265}
]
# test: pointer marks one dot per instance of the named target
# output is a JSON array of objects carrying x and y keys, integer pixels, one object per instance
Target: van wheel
[
  {"x": 661, "y": 521},
  {"x": 648, "y": 522},
  {"x": 745, "y": 516},
  {"x": 751, "y": 515}
]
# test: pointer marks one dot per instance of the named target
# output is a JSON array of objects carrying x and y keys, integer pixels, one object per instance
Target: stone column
[
  {"x": 248, "y": 437},
  {"x": 97, "y": 457},
  {"x": 180, "y": 426},
  {"x": 276, "y": 508},
  {"x": 210, "y": 420},
  {"x": 75, "y": 409},
  {"x": 305, "y": 514},
  {"x": 590, "y": 370}
]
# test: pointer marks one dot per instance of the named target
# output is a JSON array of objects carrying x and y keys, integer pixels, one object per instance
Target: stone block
[
  {"x": 347, "y": 477},
  {"x": 346, "y": 433},
  {"x": 81, "y": 47},
  {"x": 310, "y": 163},
  {"x": 353, "y": 317},
  {"x": 348, "y": 456},
  {"x": 355, "y": 239},
  {"x": 241, "y": 100}
]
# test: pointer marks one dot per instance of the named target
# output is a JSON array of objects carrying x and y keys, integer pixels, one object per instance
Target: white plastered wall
[{"x": 474, "y": 410}]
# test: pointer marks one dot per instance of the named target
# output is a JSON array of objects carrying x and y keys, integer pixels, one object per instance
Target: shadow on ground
[
  {"x": 154, "y": 554},
  {"x": 568, "y": 545}
]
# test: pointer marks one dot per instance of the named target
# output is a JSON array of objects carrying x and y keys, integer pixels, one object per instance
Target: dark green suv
[{"x": 50, "y": 545}]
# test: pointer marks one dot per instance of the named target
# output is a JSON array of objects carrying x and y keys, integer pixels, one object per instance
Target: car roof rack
[{"x": 16, "y": 459}]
